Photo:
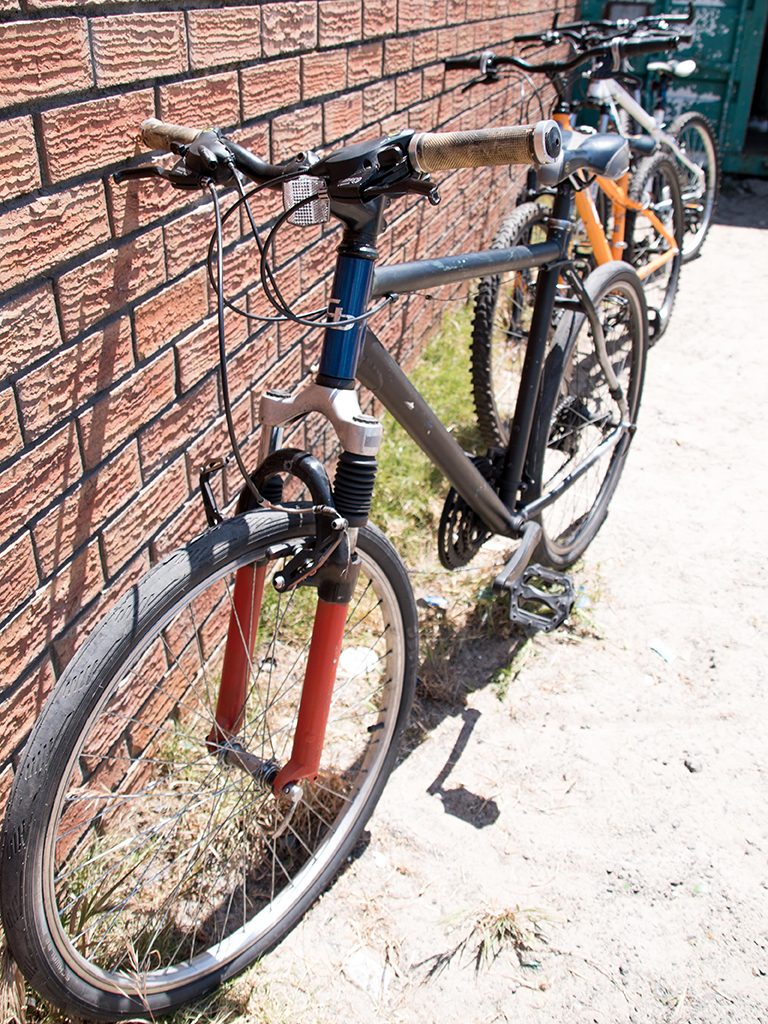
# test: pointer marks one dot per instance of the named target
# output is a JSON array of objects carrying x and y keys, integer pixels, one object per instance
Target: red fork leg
[
  {"x": 238, "y": 654},
  {"x": 319, "y": 679}
]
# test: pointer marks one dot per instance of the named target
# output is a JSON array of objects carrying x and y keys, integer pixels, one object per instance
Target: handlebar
[
  {"x": 392, "y": 165},
  {"x": 489, "y": 62}
]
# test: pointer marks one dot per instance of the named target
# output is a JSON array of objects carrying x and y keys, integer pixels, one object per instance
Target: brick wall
[{"x": 110, "y": 398}]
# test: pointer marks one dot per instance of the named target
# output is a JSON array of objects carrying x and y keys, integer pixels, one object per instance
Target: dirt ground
[{"x": 606, "y": 798}]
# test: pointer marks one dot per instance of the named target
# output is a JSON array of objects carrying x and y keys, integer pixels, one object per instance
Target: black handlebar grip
[
  {"x": 159, "y": 134},
  {"x": 654, "y": 44},
  {"x": 486, "y": 147},
  {"x": 452, "y": 63}
]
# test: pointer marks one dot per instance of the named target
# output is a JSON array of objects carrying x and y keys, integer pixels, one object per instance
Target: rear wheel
[
  {"x": 154, "y": 864},
  {"x": 696, "y": 137},
  {"x": 655, "y": 185},
  {"x": 577, "y": 413},
  {"x": 503, "y": 311}
]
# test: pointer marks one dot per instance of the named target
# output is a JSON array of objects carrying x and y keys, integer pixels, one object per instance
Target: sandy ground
[{"x": 614, "y": 804}]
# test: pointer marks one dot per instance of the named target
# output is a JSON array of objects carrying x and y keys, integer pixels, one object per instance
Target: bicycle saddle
[
  {"x": 678, "y": 68},
  {"x": 606, "y": 155},
  {"x": 642, "y": 145}
]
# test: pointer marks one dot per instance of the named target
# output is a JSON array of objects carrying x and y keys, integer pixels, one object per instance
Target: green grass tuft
[{"x": 409, "y": 489}]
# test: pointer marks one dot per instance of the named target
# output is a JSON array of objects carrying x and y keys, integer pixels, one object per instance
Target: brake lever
[
  {"x": 480, "y": 80},
  {"x": 177, "y": 177}
]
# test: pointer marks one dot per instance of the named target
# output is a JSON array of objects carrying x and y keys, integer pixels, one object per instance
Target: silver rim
[
  {"x": 173, "y": 872},
  {"x": 585, "y": 414}
]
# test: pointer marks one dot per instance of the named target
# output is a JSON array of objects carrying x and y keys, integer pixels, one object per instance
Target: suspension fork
[{"x": 335, "y": 577}]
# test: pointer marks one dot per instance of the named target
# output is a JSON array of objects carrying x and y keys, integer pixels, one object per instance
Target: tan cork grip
[
  {"x": 485, "y": 147},
  {"x": 159, "y": 135}
]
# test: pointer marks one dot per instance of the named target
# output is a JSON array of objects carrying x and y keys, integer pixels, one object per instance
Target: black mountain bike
[{"x": 209, "y": 758}]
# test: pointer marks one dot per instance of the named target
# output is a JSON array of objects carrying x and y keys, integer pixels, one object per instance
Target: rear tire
[
  {"x": 576, "y": 412},
  {"x": 503, "y": 310}
]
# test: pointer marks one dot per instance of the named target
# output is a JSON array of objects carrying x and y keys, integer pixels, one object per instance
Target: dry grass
[{"x": 516, "y": 933}]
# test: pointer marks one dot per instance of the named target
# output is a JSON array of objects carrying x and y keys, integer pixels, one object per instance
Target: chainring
[{"x": 462, "y": 532}]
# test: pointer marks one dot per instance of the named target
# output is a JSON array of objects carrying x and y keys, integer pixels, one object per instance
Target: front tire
[
  {"x": 696, "y": 136},
  {"x": 655, "y": 185},
  {"x": 140, "y": 869}
]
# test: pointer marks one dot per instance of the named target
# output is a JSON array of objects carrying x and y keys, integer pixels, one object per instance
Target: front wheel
[
  {"x": 143, "y": 863},
  {"x": 695, "y": 135},
  {"x": 577, "y": 413},
  {"x": 655, "y": 185}
]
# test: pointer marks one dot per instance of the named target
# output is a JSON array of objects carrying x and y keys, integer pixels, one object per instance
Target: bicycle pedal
[{"x": 541, "y": 599}]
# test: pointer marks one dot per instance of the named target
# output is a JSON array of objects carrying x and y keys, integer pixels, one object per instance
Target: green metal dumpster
[{"x": 731, "y": 82}]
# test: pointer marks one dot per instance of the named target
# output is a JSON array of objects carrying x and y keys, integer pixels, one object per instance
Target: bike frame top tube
[{"x": 609, "y": 90}]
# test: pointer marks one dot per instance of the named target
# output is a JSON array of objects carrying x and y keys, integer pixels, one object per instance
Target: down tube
[{"x": 379, "y": 372}]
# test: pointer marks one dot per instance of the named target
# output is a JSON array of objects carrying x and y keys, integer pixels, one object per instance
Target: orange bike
[{"x": 638, "y": 218}]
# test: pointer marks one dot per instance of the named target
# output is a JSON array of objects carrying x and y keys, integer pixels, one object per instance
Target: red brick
[
  {"x": 426, "y": 50},
  {"x": 29, "y": 328},
  {"x": 214, "y": 100},
  {"x": 342, "y": 116},
  {"x": 175, "y": 429},
  {"x": 43, "y": 58},
  {"x": 10, "y": 432},
  {"x": 296, "y": 131},
  {"x": 21, "y": 172},
  {"x": 51, "y": 229},
  {"x": 52, "y": 607},
  {"x": 198, "y": 353},
  {"x": 456, "y": 11},
  {"x": 379, "y": 18},
  {"x": 251, "y": 362},
  {"x": 408, "y": 90},
  {"x": 135, "y": 47},
  {"x": 270, "y": 87},
  {"x": 56, "y": 389},
  {"x": 223, "y": 35},
  {"x": 31, "y": 481},
  {"x": 6, "y": 776},
  {"x": 107, "y": 283},
  {"x": 214, "y": 443},
  {"x": 174, "y": 310},
  {"x": 18, "y": 574},
  {"x": 289, "y": 26},
  {"x": 143, "y": 517},
  {"x": 186, "y": 238},
  {"x": 138, "y": 203},
  {"x": 323, "y": 73},
  {"x": 364, "y": 63},
  {"x": 81, "y": 514},
  {"x": 434, "y": 80},
  {"x": 378, "y": 100},
  {"x": 340, "y": 22},
  {"x": 119, "y": 414},
  {"x": 73, "y": 637},
  {"x": 398, "y": 55},
  {"x": 87, "y": 136},
  {"x": 416, "y": 14},
  {"x": 21, "y": 710},
  {"x": 187, "y": 524}
]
